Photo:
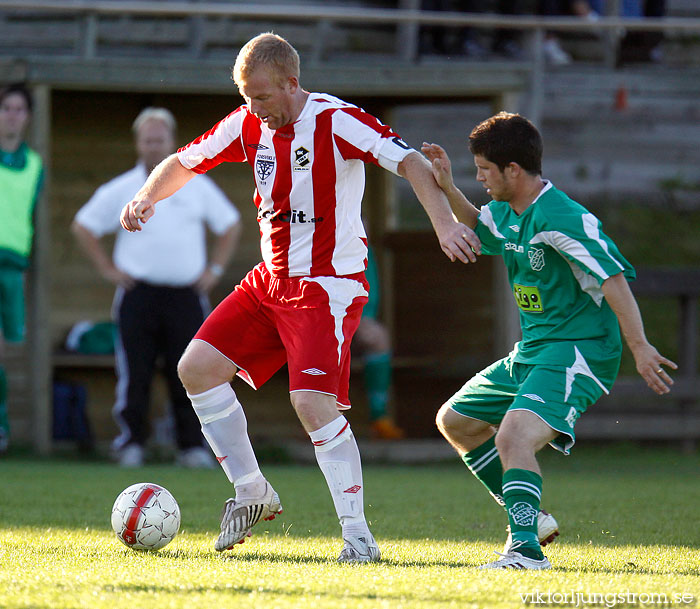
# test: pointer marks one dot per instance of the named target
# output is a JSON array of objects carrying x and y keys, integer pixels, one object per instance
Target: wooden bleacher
[
  {"x": 632, "y": 410},
  {"x": 93, "y": 75}
]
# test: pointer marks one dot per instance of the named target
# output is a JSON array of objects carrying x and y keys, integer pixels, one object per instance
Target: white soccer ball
[{"x": 145, "y": 516}]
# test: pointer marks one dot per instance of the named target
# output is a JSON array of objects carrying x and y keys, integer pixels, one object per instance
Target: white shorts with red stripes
[{"x": 305, "y": 322}]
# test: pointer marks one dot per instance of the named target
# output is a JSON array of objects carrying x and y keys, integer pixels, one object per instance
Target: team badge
[
  {"x": 527, "y": 297},
  {"x": 301, "y": 159},
  {"x": 536, "y": 256},
  {"x": 264, "y": 168},
  {"x": 523, "y": 514},
  {"x": 400, "y": 143}
]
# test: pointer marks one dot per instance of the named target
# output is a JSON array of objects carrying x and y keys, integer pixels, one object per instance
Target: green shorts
[
  {"x": 12, "y": 305},
  {"x": 559, "y": 395}
]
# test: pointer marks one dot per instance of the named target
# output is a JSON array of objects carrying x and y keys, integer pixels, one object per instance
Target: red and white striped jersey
[{"x": 309, "y": 178}]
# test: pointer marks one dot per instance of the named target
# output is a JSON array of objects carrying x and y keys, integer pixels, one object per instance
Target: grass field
[{"x": 629, "y": 519}]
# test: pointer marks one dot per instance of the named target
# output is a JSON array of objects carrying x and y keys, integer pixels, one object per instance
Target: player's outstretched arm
[
  {"x": 167, "y": 178},
  {"x": 647, "y": 359},
  {"x": 457, "y": 240},
  {"x": 442, "y": 172}
]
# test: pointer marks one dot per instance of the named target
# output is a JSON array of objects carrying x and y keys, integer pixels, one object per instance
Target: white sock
[
  {"x": 226, "y": 429},
  {"x": 339, "y": 459}
]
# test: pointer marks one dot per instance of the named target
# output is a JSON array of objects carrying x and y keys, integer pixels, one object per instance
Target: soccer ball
[{"x": 145, "y": 516}]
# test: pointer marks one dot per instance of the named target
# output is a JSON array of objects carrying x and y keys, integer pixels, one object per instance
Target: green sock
[
  {"x": 4, "y": 421},
  {"x": 484, "y": 462},
  {"x": 522, "y": 491},
  {"x": 377, "y": 383}
]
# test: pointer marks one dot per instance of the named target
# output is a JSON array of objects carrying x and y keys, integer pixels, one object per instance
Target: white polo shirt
[{"x": 171, "y": 247}]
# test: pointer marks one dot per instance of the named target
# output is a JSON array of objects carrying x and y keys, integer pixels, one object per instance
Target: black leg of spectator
[
  {"x": 506, "y": 41},
  {"x": 643, "y": 46},
  {"x": 553, "y": 52}
]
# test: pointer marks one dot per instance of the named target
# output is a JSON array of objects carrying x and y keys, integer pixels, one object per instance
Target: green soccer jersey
[{"x": 557, "y": 258}]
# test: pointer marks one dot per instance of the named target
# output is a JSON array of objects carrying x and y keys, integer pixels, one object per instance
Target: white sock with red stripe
[
  {"x": 226, "y": 429},
  {"x": 339, "y": 459}
]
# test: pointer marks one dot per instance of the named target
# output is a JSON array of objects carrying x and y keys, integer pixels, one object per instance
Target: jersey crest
[
  {"x": 302, "y": 159},
  {"x": 264, "y": 167},
  {"x": 536, "y": 256}
]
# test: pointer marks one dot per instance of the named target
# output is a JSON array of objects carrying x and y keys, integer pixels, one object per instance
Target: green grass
[{"x": 629, "y": 519}]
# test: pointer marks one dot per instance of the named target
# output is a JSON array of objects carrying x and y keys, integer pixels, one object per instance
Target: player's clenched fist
[{"x": 136, "y": 212}]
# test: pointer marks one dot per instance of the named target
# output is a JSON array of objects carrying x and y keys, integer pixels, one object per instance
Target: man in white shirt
[{"x": 162, "y": 280}]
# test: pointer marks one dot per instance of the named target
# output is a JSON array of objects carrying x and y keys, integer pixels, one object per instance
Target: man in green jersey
[
  {"x": 20, "y": 180},
  {"x": 570, "y": 283},
  {"x": 372, "y": 344}
]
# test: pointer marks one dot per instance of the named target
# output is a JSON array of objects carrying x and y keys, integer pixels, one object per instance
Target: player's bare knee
[
  {"x": 382, "y": 342},
  {"x": 446, "y": 423},
  {"x": 507, "y": 442},
  {"x": 195, "y": 374},
  {"x": 314, "y": 409},
  {"x": 185, "y": 371}
]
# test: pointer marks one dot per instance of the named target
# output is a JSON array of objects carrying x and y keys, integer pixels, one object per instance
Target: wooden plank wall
[{"x": 92, "y": 142}]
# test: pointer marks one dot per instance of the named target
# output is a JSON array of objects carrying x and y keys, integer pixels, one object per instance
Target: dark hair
[
  {"x": 508, "y": 138},
  {"x": 19, "y": 88}
]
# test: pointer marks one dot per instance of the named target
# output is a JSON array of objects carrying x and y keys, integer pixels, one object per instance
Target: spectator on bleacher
[
  {"x": 554, "y": 54},
  {"x": 635, "y": 46},
  {"x": 466, "y": 41},
  {"x": 162, "y": 279},
  {"x": 640, "y": 46},
  {"x": 21, "y": 177}
]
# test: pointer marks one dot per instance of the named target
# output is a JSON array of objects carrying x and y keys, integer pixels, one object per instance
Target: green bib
[{"x": 18, "y": 194}]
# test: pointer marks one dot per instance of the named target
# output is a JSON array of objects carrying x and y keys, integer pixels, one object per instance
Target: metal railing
[{"x": 406, "y": 21}]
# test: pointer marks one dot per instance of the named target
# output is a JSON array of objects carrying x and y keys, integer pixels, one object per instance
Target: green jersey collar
[{"x": 16, "y": 159}]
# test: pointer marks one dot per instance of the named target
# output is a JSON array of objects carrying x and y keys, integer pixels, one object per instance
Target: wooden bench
[
  {"x": 268, "y": 411},
  {"x": 632, "y": 410},
  {"x": 68, "y": 360}
]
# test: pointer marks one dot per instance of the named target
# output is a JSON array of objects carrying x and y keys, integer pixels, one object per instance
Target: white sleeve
[
  {"x": 393, "y": 151},
  {"x": 221, "y": 214},
  {"x": 100, "y": 215},
  {"x": 366, "y": 138},
  {"x": 223, "y": 142}
]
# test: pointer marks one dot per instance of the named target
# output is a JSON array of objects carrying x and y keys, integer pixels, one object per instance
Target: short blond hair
[
  {"x": 154, "y": 114},
  {"x": 268, "y": 50}
]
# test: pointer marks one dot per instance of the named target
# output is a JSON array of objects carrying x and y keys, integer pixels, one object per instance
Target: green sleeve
[{"x": 371, "y": 309}]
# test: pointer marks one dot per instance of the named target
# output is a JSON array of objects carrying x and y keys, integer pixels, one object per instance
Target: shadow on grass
[
  {"x": 273, "y": 557},
  {"x": 291, "y": 591},
  {"x": 316, "y": 560},
  {"x": 276, "y": 557}
]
